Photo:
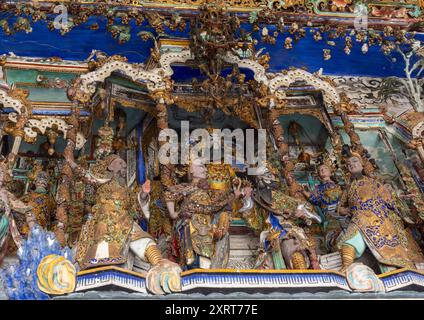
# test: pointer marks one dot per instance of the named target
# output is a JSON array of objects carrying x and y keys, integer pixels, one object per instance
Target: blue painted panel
[
  {"x": 308, "y": 53},
  {"x": 76, "y": 45}
]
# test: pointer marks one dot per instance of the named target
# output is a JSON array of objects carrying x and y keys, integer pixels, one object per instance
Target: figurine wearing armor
[
  {"x": 374, "y": 223},
  {"x": 288, "y": 243},
  {"x": 159, "y": 221},
  {"x": 9, "y": 204},
  {"x": 327, "y": 196},
  {"x": 83, "y": 198},
  {"x": 111, "y": 234},
  {"x": 204, "y": 216},
  {"x": 42, "y": 203}
]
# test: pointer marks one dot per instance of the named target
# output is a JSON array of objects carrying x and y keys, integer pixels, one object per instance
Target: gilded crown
[{"x": 220, "y": 175}]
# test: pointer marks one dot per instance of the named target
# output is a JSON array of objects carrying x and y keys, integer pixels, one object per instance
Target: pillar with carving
[
  {"x": 342, "y": 109},
  {"x": 162, "y": 98},
  {"x": 63, "y": 196}
]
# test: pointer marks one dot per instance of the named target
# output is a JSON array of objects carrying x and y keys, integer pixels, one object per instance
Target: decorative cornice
[
  {"x": 34, "y": 127},
  {"x": 46, "y": 65}
]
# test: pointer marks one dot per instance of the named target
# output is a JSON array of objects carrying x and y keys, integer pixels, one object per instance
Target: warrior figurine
[
  {"x": 283, "y": 237},
  {"x": 9, "y": 204},
  {"x": 203, "y": 218},
  {"x": 112, "y": 234},
  {"x": 374, "y": 223},
  {"x": 42, "y": 203},
  {"x": 327, "y": 196}
]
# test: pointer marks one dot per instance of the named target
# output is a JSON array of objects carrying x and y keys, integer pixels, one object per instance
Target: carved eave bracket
[
  {"x": 15, "y": 99},
  {"x": 277, "y": 82},
  {"x": 34, "y": 127},
  {"x": 156, "y": 79}
]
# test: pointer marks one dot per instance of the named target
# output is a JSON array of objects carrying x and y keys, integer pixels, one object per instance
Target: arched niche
[{"x": 156, "y": 79}]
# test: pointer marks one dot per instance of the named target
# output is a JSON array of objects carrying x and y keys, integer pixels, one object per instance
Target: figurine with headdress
[
  {"x": 373, "y": 224},
  {"x": 326, "y": 196},
  {"x": 112, "y": 235},
  {"x": 40, "y": 199},
  {"x": 201, "y": 210},
  {"x": 83, "y": 198},
  {"x": 283, "y": 237}
]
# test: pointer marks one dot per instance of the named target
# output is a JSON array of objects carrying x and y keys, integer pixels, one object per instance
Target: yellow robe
[{"x": 375, "y": 216}]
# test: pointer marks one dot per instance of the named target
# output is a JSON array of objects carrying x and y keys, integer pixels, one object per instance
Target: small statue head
[
  {"x": 116, "y": 164},
  {"x": 354, "y": 164},
  {"x": 324, "y": 172},
  {"x": 198, "y": 169},
  {"x": 41, "y": 180}
]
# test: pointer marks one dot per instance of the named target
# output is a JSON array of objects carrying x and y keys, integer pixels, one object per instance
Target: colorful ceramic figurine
[
  {"x": 159, "y": 221},
  {"x": 327, "y": 196},
  {"x": 288, "y": 243},
  {"x": 41, "y": 201},
  {"x": 203, "y": 215},
  {"x": 109, "y": 236},
  {"x": 9, "y": 204},
  {"x": 83, "y": 198},
  {"x": 374, "y": 223}
]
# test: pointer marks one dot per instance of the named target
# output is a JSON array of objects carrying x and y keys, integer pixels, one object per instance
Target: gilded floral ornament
[
  {"x": 326, "y": 53},
  {"x": 340, "y": 5}
]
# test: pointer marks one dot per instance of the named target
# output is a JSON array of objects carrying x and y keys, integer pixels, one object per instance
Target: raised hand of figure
[
  {"x": 146, "y": 187},
  {"x": 237, "y": 189},
  {"x": 144, "y": 199},
  {"x": 219, "y": 233},
  {"x": 247, "y": 191},
  {"x": 221, "y": 228},
  {"x": 143, "y": 196},
  {"x": 163, "y": 278}
]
